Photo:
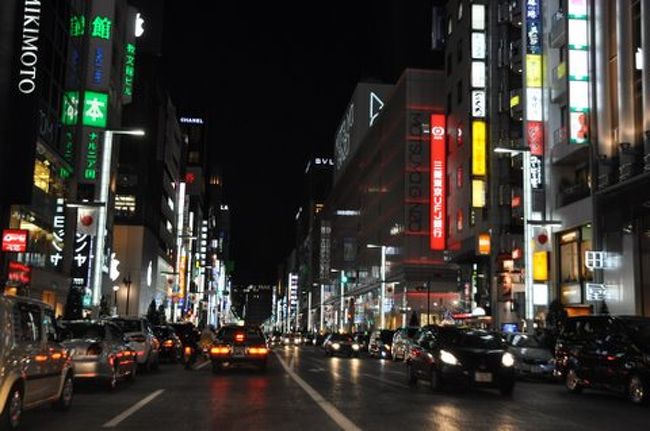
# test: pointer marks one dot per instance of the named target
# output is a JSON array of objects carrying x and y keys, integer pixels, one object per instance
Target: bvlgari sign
[{"x": 29, "y": 46}]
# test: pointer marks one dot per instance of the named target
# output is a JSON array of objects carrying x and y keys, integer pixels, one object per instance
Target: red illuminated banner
[
  {"x": 14, "y": 240},
  {"x": 536, "y": 137},
  {"x": 19, "y": 273},
  {"x": 438, "y": 187}
]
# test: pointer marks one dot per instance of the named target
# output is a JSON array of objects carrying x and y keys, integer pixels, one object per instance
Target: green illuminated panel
[
  {"x": 101, "y": 27},
  {"x": 70, "y": 111},
  {"x": 77, "y": 25},
  {"x": 95, "y": 109},
  {"x": 129, "y": 69}
]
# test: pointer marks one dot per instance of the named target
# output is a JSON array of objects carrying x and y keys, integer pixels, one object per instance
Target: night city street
[
  {"x": 363, "y": 393},
  {"x": 356, "y": 215}
]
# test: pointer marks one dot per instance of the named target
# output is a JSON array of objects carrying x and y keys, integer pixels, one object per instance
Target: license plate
[
  {"x": 238, "y": 351},
  {"x": 482, "y": 377}
]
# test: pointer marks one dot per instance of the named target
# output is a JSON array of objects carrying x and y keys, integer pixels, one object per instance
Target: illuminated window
[
  {"x": 125, "y": 204},
  {"x": 42, "y": 175},
  {"x": 450, "y": 25},
  {"x": 215, "y": 181},
  {"x": 169, "y": 227},
  {"x": 460, "y": 10},
  {"x": 170, "y": 203},
  {"x": 459, "y": 220}
]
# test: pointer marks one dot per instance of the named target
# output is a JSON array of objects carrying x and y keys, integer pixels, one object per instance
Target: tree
[
  {"x": 73, "y": 305},
  {"x": 152, "y": 313}
]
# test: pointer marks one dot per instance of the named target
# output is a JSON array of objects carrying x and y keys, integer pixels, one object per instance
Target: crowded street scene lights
[
  {"x": 102, "y": 200},
  {"x": 382, "y": 291},
  {"x": 528, "y": 206}
]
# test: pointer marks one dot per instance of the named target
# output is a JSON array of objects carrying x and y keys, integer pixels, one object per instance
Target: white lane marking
[
  {"x": 334, "y": 413},
  {"x": 385, "y": 381},
  {"x": 201, "y": 365},
  {"x": 128, "y": 412}
]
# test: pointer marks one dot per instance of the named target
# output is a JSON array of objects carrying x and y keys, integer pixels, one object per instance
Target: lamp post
[
  {"x": 127, "y": 283},
  {"x": 101, "y": 196},
  {"x": 382, "y": 291},
  {"x": 115, "y": 289}
]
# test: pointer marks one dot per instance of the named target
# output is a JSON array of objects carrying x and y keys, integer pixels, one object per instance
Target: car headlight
[
  {"x": 507, "y": 360},
  {"x": 448, "y": 358},
  {"x": 355, "y": 346},
  {"x": 297, "y": 341},
  {"x": 336, "y": 346}
]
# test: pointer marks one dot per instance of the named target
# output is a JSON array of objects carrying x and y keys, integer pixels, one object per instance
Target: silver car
[
  {"x": 99, "y": 351},
  {"x": 141, "y": 337},
  {"x": 34, "y": 367}
]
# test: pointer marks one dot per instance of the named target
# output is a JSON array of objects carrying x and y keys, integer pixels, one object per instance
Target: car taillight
[
  {"x": 188, "y": 350},
  {"x": 168, "y": 343},
  {"x": 240, "y": 337},
  {"x": 94, "y": 350},
  {"x": 258, "y": 351},
  {"x": 219, "y": 350}
]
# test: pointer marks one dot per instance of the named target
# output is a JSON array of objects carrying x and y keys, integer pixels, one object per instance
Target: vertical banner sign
[
  {"x": 293, "y": 295},
  {"x": 534, "y": 100},
  {"x": 128, "y": 72},
  {"x": 479, "y": 108},
  {"x": 58, "y": 234},
  {"x": 578, "y": 72},
  {"x": 81, "y": 260},
  {"x": 438, "y": 231},
  {"x": 325, "y": 239}
]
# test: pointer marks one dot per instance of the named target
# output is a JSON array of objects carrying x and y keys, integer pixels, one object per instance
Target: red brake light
[
  {"x": 258, "y": 351},
  {"x": 219, "y": 350},
  {"x": 239, "y": 337},
  {"x": 168, "y": 343}
]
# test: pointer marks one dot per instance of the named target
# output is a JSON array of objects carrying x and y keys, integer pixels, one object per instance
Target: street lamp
[
  {"x": 382, "y": 291},
  {"x": 101, "y": 196},
  {"x": 115, "y": 289},
  {"x": 127, "y": 283}
]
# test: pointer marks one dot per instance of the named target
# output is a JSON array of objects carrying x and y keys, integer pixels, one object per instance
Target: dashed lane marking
[{"x": 128, "y": 412}]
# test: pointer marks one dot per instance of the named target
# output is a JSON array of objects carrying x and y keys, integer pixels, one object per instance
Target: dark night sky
[{"x": 276, "y": 77}]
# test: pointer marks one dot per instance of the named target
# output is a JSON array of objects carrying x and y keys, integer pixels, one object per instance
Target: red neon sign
[
  {"x": 14, "y": 240},
  {"x": 438, "y": 198},
  {"x": 19, "y": 273}
]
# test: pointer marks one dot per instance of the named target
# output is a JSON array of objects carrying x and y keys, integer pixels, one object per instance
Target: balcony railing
[
  {"x": 557, "y": 36},
  {"x": 559, "y": 83}
]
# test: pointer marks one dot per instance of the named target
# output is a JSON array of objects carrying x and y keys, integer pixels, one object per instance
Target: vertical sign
[
  {"x": 479, "y": 126},
  {"x": 58, "y": 234},
  {"x": 578, "y": 72},
  {"x": 325, "y": 239},
  {"x": 534, "y": 98},
  {"x": 293, "y": 296},
  {"x": 438, "y": 187}
]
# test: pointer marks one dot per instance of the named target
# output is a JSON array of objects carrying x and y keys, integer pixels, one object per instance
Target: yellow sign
[
  {"x": 540, "y": 266},
  {"x": 479, "y": 166},
  {"x": 534, "y": 70},
  {"x": 514, "y": 101},
  {"x": 484, "y": 244},
  {"x": 478, "y": 193}
]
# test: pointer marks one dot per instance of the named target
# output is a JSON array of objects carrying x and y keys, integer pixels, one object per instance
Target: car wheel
[
  {"x": 637, "y": 390},
  {"x": 216, "y": 367},
  {"x": 13, "y": 411},
  {"x": 411, "y": 378},
  {"x": 573, "y": 382},
  {"x": 67, "y": 393},
  {"x": 434, "y": 379}
]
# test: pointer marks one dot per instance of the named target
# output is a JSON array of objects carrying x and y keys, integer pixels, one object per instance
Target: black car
[
  {"x": 341, "y": 344},
  {"x": 362, "y": 339},
  {"x": 533, "y": 357},
  {"x": 380, "y": 343},
  {"x": 451, "y": 356},
  {"x": 171, "y": 346},
  {"x": 237, "y": 345},
  {"x": 605, "y": 352}
]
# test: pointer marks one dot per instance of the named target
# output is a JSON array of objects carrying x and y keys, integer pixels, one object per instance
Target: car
[
  {"x": 171, "y": 346},
  {"x": 362, "y": 339},
  {"x": 99, "y": 351},
  {"x": 341, "y": 344},
  {"x": 237, "y": 345},
  {"x": 403, "y": 339},
  {"x": 141, "y": 337},
  {"x": 275, "y": 340},
  {"x": 449, "y": 356},
  {"x": 606, "y": 352},
  {"x": 36, "y": 368},
  {"x": 292, "y": 339},
  {"x": 380, "y": 343},
  {"x": 533, "y": 358}
]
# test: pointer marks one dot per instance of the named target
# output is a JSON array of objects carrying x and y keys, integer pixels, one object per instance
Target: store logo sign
[
  {"x": 438, "y": 187},
  {"x": 29, "y": 47},
  {"x": 14, "y": 240}
]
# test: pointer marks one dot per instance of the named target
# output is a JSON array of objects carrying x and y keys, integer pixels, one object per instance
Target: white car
[{"x": 139, "y": 333}]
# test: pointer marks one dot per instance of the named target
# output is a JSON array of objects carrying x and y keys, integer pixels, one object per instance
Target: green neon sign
[
  {"x": 77, "y": 25},
  {"x": 100, "y": 27},
  {"x": 90, "y": 168},
  {"x": 95, "y": 111},
  {"x": 129, "y": 69},
  {"x": 70, "y": 111}
]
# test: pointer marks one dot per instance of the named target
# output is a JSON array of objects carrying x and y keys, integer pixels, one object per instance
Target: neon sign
[{"x": 438, "y": 181}]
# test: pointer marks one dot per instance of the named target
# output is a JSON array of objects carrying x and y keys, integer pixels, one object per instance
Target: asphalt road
[{"x": 304, "y": 390}]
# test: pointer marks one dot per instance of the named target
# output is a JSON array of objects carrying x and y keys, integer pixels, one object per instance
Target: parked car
[
  {"x": 533, "y": 358},
  {"x": 403, "y": 340},
  {"x": 36, "y": 368},
  {"x": 606, "y": 352},
  {"x": 99, "y": 351},
  {"x": 141, "y": 337},
  {"x": 341, "y": 344},
  {"x": 462, "y": 357},
  {"x": 171, "y": 346},
  {"x": 236, "y": 345},
  {"x": 380, "y": 343}
]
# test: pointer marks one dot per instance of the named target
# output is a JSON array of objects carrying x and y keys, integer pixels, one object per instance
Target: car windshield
[
  {"x": 341, "y": 337},
  {"x": 83, "y": 331},
  {"x": 229, "y": 333},
  {"x": 128, "y": 325},
  {"x": 639, "y": 330},
  {"x": 480, "y": 340},
  {"x": 527, "y": 341}
]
